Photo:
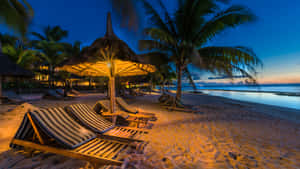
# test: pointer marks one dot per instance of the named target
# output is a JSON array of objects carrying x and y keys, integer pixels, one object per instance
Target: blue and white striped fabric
[
  {"x": 86, "y": 115},
  {"x": 57, "y": 124}
]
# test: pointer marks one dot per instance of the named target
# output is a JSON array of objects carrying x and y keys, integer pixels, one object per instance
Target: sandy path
[{"x": 226, "y": 134}]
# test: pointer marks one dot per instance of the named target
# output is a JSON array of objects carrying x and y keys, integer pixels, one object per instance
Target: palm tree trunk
[
  {"x": 49, "y": 76},
  {"x": 179, "y": 74}
]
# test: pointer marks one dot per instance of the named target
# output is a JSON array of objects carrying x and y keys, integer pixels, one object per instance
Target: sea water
[{"x": 264, "y": 94}]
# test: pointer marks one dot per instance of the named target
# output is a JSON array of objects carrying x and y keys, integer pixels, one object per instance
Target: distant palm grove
[{"x": 174, "y": 41}]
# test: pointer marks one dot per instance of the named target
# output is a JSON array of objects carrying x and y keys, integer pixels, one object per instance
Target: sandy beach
[{"x": 224, "y": 134}]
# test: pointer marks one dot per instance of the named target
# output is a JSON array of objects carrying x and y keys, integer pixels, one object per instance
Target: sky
[{"x": 275, "y": 36}]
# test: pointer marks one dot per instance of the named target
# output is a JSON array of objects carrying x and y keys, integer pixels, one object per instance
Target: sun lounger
[
  {"x": 53, "y": 130},
  {"x": 102, "y": 107},
  {"x": 61, "y": 92},
  {"x": 11, "y": 97},
  {"x": 90, "y": 119},
  {"x": 123, "y": 104},
  {"x": 52, "y": 94},
  {"x": 75, "y": 92}
]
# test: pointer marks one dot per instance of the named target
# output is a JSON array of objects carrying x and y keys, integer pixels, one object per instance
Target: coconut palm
[
  {"x": 72, "y": 50},
  {"x": 184, "y": 35},
  {"x": 49, "y": 33},
  {"x": 16, "y": 14},
  {"x": 7, "y": 39},
  {"x": 51, "y": 48},
  {"x": 24, "y": 57}
]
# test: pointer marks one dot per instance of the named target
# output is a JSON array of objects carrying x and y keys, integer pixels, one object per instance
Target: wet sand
[{"x": 224, "y": 134}]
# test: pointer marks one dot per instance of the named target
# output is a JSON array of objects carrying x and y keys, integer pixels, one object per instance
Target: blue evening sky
[{"x": 275, "y": 37}]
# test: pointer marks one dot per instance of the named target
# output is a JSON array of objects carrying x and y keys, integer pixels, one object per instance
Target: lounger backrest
[
  {"x": 58, "y": 125},
  {"x": 89, "y": 118},
  {"x": 105, "y": 105},
  {"x": 125, "y": 106},
  {"x": 53, "y": 93},
  {"x": 60, "y": 91}
]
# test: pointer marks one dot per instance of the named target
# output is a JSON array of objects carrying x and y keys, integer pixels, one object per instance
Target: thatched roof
[
  {"x": 9, "y": 68},
  {"x": 123, "y": 51}
]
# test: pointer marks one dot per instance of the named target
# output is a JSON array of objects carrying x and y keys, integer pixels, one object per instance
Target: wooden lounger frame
[
  {"x": 134, "y": 118},
  {"x": 109, "y": 148},
  {"x": 132, "y": 110},
  {"x": 67, "y": 153},
  {"x": 122, "y": 133}
]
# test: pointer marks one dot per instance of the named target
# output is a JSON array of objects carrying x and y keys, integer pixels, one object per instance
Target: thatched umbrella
[
  {"x": 108, "y": 56},
  {"x": 10, "y": 69}
]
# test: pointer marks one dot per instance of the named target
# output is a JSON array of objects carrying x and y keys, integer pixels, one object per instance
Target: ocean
[{"x": 277, "y": 95}]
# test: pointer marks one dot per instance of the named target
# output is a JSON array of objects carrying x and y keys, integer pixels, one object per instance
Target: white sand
[{"x": 227, "y": 134}]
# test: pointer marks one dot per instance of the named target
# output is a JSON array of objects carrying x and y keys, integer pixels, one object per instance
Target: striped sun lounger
[
  {"x": 53, "y": 130},
  {"x": 125, "y": 106},
  {"x": 89, "y": 118},
  {"x": 102, "y": 107}
]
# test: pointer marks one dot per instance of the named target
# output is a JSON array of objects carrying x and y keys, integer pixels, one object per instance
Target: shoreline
[
  {"x": 284, "y": 113},
  {"x": 253, "y": 91}
]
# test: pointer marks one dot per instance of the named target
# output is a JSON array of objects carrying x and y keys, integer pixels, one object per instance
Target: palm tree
[
  {"x": 164, "y": 75},
  {"x": 7, "y": 39},
  {"x": 183, "y": 36},
  {"x": 72, "y": 50},
  {"x": 21, "y": 55},
  {"x": 16, "y": 14},
  {"x": 51, "y": 48}
]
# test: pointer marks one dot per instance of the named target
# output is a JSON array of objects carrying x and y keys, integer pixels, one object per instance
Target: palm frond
[
  {"x": 232, "y": 17},
  {"x": 160, "y": 34},
  {"x": 38, "y": 36},
  {"x": 155, "y": 18},
  {"x": 16, "y": 15},
  {"x": 191, "y": 16},
  {"x": 229, "y": 60},
  {"x": 169, "y": 21},
  {"x": 150, "y": 45}
]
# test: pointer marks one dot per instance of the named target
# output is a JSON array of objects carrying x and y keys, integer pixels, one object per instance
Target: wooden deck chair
[
  {"x": 75, "y": 92},
  {"x": 11, "y": 97},
  {"x": 61, "y": 92},
  {"x": 102, "y": 107},
  {"x": 123, "y": 104},
  {"x": 54, "y": 131},
  {"x": 52, "y": 94},
  {"x": 90, "y": 119}
]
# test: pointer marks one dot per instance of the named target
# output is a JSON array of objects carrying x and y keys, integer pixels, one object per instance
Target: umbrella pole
[
  {"x": 112, "y": 98},
  {"x": 112, "y": 92}
]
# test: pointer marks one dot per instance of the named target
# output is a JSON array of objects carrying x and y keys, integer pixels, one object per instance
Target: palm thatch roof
[
  {"x": 9, "y": 68},
  {"x": 92, "y": 53}
]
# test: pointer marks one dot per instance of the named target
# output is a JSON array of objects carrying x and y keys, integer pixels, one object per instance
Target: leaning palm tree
[{"x": 184, "y": 34}]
